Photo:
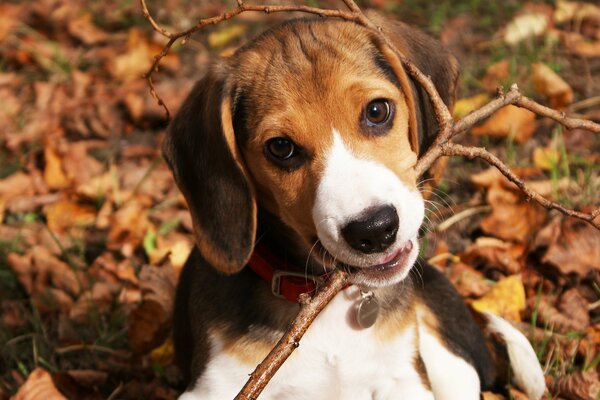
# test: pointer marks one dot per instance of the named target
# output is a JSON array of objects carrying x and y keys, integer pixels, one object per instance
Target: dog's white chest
[{"x": 334, "y": 361}]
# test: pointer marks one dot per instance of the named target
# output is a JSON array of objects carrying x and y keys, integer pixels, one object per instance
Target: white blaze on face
[{"x": 349, "y": 187}]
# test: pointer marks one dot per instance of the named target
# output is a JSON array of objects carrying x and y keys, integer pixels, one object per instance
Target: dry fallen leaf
[
  {"x": 573, "y": 248},
  {"x": 525, "y": 26},
  {"x": 575, "y": 306},
  {"x": 545, "y": 158},
  {"x": 513, "y": 217},
  {"x": 506, "y": 299},
  {"x": 550, "y": 85},
  {"x": 224, "y": 36},
  {"x": 65, "y": 214},
  {"x": 38, "y": 268},
  {"x": 138, "y": 58},
  {"x": 495, "y": 253},
  {"x": 149, "y": 323},
  {"x": 468, "y": 281},
  {"x": 83, "y": 28},
  {"x": 548, "y": 315},
  {"x": 54, "y": 174},
  {"x": 464, "y": 106},
  {"x": 495, "y": 75},
  {"x": 93, "y": 302},
  {"x": 577, "y": 386},
  {"x": 39, "y": 386},
  {"x": 509, "y": 121},
  {"x": 575, "y": 10}
]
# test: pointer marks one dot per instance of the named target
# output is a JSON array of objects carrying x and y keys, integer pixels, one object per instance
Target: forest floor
[{"x": 93, "y": 231}]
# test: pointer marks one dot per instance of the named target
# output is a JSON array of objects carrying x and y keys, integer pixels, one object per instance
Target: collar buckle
[{"x": 279, "y": 274}]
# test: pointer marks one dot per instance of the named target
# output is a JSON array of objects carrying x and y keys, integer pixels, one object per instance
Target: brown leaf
[
  {"x": 495, "y": 253},
  {"x": 83, "y": 28},
  {"x": 548, "y": 315},
  {"x": 495, "y": 75},
  {"x": 129, "y": 226},
  {"x": 575, "y": 306},
  {"x": 38, "y": 268},
  {"x": 509, "y": 121},
  {"x": 550, "y": 85},
  {"x": 468, "y": 281},
  {"x": 53, "y": 168},
  {"x": 17, "y": 184},
  {"x": 138, "y": 58},
  {"x": 491, "y": 396},
  {"x": 579, "y": 45},
  {"x": 99, "y": 299},
  {"x": 577, "y": 386},
  {"x": 575, "y": 248},
  {"x": 512, "y": 217},
  {"x": 39, "y": 386},
  {"x": 149, "y": 323}
]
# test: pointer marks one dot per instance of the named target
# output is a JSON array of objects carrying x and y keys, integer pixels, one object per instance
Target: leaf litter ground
[{"x": 93, "y": 232}]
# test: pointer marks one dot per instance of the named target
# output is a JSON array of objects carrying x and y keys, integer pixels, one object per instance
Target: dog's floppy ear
[
  {"x": 201, "y": 150},
  {"x": 434, "y": 60}
]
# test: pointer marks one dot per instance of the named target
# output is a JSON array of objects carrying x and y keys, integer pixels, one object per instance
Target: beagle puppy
[{"x": 296, "y": 156}]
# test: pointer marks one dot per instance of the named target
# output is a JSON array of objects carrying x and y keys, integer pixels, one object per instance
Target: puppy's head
[{"x": 317, "y": 122}]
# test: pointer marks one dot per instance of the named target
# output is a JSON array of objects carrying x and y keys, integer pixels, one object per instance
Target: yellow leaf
[
  {"x": 164, "y": 353},
  {"x": 508, "y": 121},
  {"x": 224, "y": 36},
  {"x": 545, "y": 158},
  {"x": 506, "y": 299},
  {"x": 553, "y": 87},
  {"x": 465, "y": 106}
]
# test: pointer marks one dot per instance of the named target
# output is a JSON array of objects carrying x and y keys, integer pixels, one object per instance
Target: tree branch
[{"x": 453, "y": 149}]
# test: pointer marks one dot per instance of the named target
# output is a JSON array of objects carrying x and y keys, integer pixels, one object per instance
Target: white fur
[
  {"x": 335, "y": 361},
  {"x": 527, "y": 372},
  {"x": 349, "y": 186},
  {"x": 451, "y": 377}
]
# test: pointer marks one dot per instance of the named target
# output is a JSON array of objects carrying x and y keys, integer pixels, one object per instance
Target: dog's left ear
[
  {"x": 201, "y": 150},
  {"x": 434, "y": 60}
]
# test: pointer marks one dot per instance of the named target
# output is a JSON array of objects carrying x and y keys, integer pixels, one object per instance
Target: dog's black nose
[{"x": 373, "y": 233}]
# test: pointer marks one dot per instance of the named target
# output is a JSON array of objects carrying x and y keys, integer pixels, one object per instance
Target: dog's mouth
[{"x": 393, "y": 265}]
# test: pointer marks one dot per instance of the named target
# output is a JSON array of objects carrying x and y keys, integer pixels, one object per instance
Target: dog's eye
[
  {"x": 281, "y": 148},
  {"x": 378, "y": 112},
  {"x": 284, "y": 153}
]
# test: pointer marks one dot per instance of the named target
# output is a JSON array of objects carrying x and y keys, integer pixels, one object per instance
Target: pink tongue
[{"x": 407, "y": 247}]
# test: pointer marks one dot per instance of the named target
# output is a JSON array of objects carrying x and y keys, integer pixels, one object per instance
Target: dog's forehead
[{"x": 305, "y": 60}]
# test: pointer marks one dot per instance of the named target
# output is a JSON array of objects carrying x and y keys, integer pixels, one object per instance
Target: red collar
[{"x": 284, "y": 282}]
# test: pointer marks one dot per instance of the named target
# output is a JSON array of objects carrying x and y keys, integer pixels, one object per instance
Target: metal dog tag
[{"x": 367, "y": 310}]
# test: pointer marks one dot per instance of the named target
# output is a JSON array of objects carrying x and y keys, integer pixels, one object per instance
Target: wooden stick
[{"x": 309, "y": 310}]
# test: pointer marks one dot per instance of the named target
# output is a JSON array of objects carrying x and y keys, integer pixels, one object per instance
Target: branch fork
[{"x": 442, "y": 146}]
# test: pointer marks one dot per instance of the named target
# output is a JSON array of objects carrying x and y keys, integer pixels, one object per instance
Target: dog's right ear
[{"x": 201, "y": 150}]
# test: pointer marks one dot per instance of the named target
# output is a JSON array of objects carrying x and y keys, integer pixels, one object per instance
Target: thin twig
[
  {"x": 453, "y": 149},
  {"x": 309, "y": 309},
  {"x": 241, "y": 8}
]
